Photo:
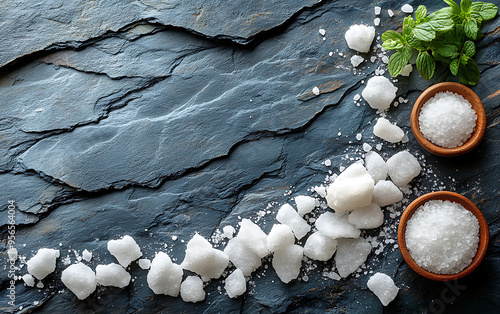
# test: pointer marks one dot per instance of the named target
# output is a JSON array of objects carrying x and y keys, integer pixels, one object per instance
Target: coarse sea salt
[
  {"x": 235, "y": 284},
  {"x": 356, "y": 60},
  {"x": 79, "y": 279},
  {"x": 112, "y": 275},
  {"x": 383, "y": 287},
  {"x": 447, "y": 120},
  {"x": 125, "y": 250},
  {"x": 442, "y": 237},
  {"x": 43, "y": 263},
  {"x": 192, "y": 289},
  {"x": 360, "y": 37},
  {"x": 388, "y": 131},
  {"x": 407, "y": 8},
  {"x": 379, "y": 92},
  {"x": 164, "y": 277}
]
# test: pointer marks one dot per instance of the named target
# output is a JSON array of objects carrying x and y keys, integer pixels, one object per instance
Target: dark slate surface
[{"x": 160, "y": 120}]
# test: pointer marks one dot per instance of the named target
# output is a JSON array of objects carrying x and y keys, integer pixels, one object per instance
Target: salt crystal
[
  {"x": 367, "y": 217},
  {"x": 288, "y": 216},
  {"x": 43, "y": 263},
  {"x": 228, "y": 232},
  {"x": 164, "y": 277},
  {"x": 333, "y": 275},
  {"x": 87, "y": 255},
  {"x": 376, "y": 21},
  {"x": 79, "y": 279},
  {"x": 319, "y": 247},
  {"x": 406, "y": 70},
  {"x": 390, "y": 13},
  {"x": 40, "y": 285},
  {"x": 287, "y": 262},
  {"x": 403, "y": 167},
  {"x": 351, "y": 189},
  {"x": 28, "y": 280},
  {"x": 377, "y": 10},
  {"x": 356, "y": 60},
  {"x": 322, "y": 32},
  {"x": 125, "y": 250},
  {"x": 305, "y": 204},
  {"x": 315, "y": 90},
  {"x": 279, "y": 237},
  {"x": 321, "y": 190},
  {"x": 383, "y": 287},
  {"x": 192, "y": 289},
  {"x": 386, "y": 193},
  {"x": 112, "y": 275},
  {"x": 385, "y": 60},
  {"x": 328, "y": 162},
  {"x": 241, "y": 256},
  {"x": 376, "y": 166},
  {"x": 335, "y": 226},
  {"x": 351, "y": 253},
  {"x": 379, "y": 92},
  {"x": 356, "y": 97},
  {"x": 235, "y": 284},
  {"x": 388, "y": 131},
  {"x": 373, "y": 58},
  {"x": 359, "y": 136},
  {"x": 367, "y": 147},
  {"x": 203, "y": 259},
  {"x": 360, "y": 37},
  {"x": 144, "y": 263},
  {"x": 253, "y": 237},
  {"x": 407, "y": 8}
]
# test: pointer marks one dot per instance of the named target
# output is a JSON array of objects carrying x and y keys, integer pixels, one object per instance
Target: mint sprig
[{"x": 446, "y": 36}]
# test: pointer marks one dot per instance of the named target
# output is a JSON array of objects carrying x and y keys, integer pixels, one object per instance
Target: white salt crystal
[
  {"x": 385, "y": 60},
  {"x": 360, "y": 37},
  {"x": 373, "y": 58},
  {"x": 388, "y": 131},
  {"x": 377, "y": 10},
  {"x": 321, "y": 190},
  {"x": 376, "y": 166},
  {"x": 386, "y": 193},
  {"x": 87, "y": 255},
  {"x": 322, "y": 32},
  {"x": 40, "y": 285},
  {"x": 315, "y": 90},
  {"x": 253, "y": 237},
  {"x": 235, "y": 284},
  {"x": 406, "y": 70},
  {"x": 279, "y": 237},
  {"x": 79, "y": 279},
  {"x": 379, "y": 92},
  {"x": 328, "y": 162},
  {"x": 356, "y": 60},
  {"x": 228, "y": 232},
  {"x": 406, "y": 8},
  {"x": 287, "y": 262},
  {"x": 43, "y": 263},
  {"x": 164, "y": 277},
  {"x": 351, "y": 189},
  {"x": 383, "y": 287},
  {"x": 29, "y": 280},
  {"x": 125, "y": 250},
  {"x": 288, "y": 216},
  {"x": 333, "y": 275},
  {"x": 305, "y": 204},
  {"x": 403, "y": 167},
  {"x": 442, "y": 237},
  {"x": 241, "y": 256},
  {"x": 447, "y": 120},
  {"x": 112, "y": 275},
  {"x": 390, "y": 13},
  {"x": 330, "y": 53},
  {"x": 376, "y": 21},
  {"x": 359, "y": 136},
  {"x": 336, "y": 226},
  {"x": 144, "y": 263},
  {"x": 367, "y": 147},
  {"x": 367, "y": 217},
  {"x": 203, "y": 259},
  {"x": 192, "y": 289},
  {"x": 351, "y": 253},
  {"x": 320, "y": 247}
]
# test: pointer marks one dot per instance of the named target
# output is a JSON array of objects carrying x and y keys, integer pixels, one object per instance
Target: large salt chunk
[
  {"x": 279, "y": 237},
  {"x": 388, "y": 131},
  {"x": 407, "y": 70},
  {"x": 287, "y": 262},
  {"x": 235, "y": 284},
  {"x": 320, "y": 247},
  {"x": 87, "y": 255},
  {"x": 305, "y": 204},
  {"x": 379, "y": 92},
  {"x": 203, "y": 259},
  {"x": 376, "y": 166},
  {"x": 43, "y": 263},
  {"x": 241, "y": 256},
  {"x": 253, "y": 237},
  {"x": 368, "y": 217},
  {"x": 386, "y": 193},
  {"x": 192, "y": 289},
  {"x": 164, "y": 277},
  {"x": 353, "y": 188},
  {"x": 403, "y": 167},
  {"x": 29, "y": 280},
  {"x": 356, "y": 60},
  {"x": 351, "y": 253},
  {"x": 80, "y": 279},
  {"x": 112, "y": 275},
  {"x": 360, "y": 37},
  {"x": 288, "y": 216},
  {"x": 407, "y": 8},
  {"x": 384, "y": 288},
  {"x": 336, "y": 226},
  {"x": 125, "y": 250}
]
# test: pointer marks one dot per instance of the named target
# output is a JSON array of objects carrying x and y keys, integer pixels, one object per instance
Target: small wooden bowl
[
  {"x": 484, "y": 235},
  {"x": 470, "y": 96}
]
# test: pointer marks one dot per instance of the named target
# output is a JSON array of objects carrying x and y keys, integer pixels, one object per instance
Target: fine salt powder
[
  {"x": 442, "y": 237},
  {"x": 447, "y": 120}
]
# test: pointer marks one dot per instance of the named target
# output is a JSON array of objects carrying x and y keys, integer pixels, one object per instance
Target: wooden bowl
[
  {"x": 470, "y": 96},
  {"x": 484, "y": 235}
]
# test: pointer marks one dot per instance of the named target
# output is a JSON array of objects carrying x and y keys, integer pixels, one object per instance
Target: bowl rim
[
  {"x": 467, "y": 204},
  {"x": 477, "y": 105}
]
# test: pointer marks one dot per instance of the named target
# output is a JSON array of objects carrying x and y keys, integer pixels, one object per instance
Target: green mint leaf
[
  {"x": 469, "y": 73},
  {"x": 424, "y": 32},
  {"x": 455, "y": 8},
  {"x": 448, "y": 51},
  {"x": 408, "y": 21},
  {"x": 454, "y": 66},
  {"x": 425, "y": 65},
  {"x": 470, "y": 28},
  {"x": 441, "y": 25},
  {"x": 486, "y": 10},
  {"x": 392, "y": 40},
  {"x": 417, "y": 43},
  {"x": 421, "y": 12},
  {"x": 407, "y": 51},
  {"x": 464, "y": 59},
  {"x": 406, "y": 31},
  {"x": 465, "y": 6},
  {"x": 469, "y": 48},
  {"x": 396, "y": 63}
]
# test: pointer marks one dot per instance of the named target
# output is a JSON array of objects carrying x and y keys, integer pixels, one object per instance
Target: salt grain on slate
[
  {"x": 112, "y": 275},
  {"x": 320, "y": 247},
  {"x": 367, "y": 217},
  {"x": 253, "y": 237},
  {"x": 305, "y": 204},
  {"x": 242, "y": 257},
  {"x": 279, "y": 237},
  {"x": 383, "y": 287},
  {"x": 356, "y": 60},
  {"x": 192, "y": 289},
  {"x": 235, "y": 284},
  {"x": 43, "y": 263},
  {"x": 164, "y": 277},
  {"x": 406, "y": 8},
  {"x": 336, "y": 226},
  {"x": 407, "y": 70},
  {"x": 402, "y": 167},
  {"x": 79, "y": 279},
  {"x": 375, "y": 165},
  {"x": 203, "y": 259},
  {"x": 351, "y": 253},
  {"x": 29, "y": 280},
  {"x": 379, "y": 92},
  {"x": 287, "y": 262},
  {"x": 388, "y": 131},
  {"x": 288, "y": 216},
  {"x": 315, "y": 90},
  {"x": 386, "y": 193},
  {"x": 360, "y": 37},
  {"x": 125, "y": 250}
]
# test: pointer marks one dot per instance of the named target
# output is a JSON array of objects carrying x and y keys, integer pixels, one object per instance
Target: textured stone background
[{"x": 156, "y": 119}]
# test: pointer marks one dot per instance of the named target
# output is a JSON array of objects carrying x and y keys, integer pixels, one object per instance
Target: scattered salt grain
[
  {"x": 43, "y": 263},
  {"x": 359, "y": 136},
  {"x": 367, "y": 217},
  {"x": 287, "y": 262},
  {"x": 112, "y": 275},
  {"x": 407, "y": 8},
  {"x": 228, "y": 232},
  {"x": 373, "y": 59},
  {"x": 243, "y": 257},
  {"x": 402, "y": 168},
  {"x": 79, "y": 279},
  {"x": 144, "y": 263},
  {"x": 336, "y": 226},
  {"x": 279, "y": 237},
  {"x": 376, "y": 21},
  {"x": 376, "y": 166},
  {"x": 388, "y": 131},
  {"x": 164, "y": 277},
  {"x": 253, "y": 237},
  {"x": 356, "y": 60},
  {"x": 385, "y": 59},
  {"x": 202, "y": 258},
  {"x": 351, "y": 253},
  {"x": 192, "y": 289},
  {"x": 386, "y": 193},
  {"x": 235, "y": 284},
  {"x": 321, "y": 190},
  {"x": 319, "y": 247},
  {"x": 305, "y": 204},
  {"x": 315, "y": 90},
  {"x": 322, "y": 32},
  {"x": 125, "y": 250},
  {"x": 367, "y": 147},
  {"x": 383, "y": 287},
  {"x": 29, "y": 280},
  {"x": 288, "y": 216},
  {"x": 390, "y": 13},
  {"x": 40, "y": 285},
  {"x": 407, "y": 70},
  {"x": 327, "y": 162},
  {"x": 360, "y": 37},
  {"x": 379, "y": 92},
  {"x": 87, "y": 255},
  {"x": 377, "y": 10}
]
